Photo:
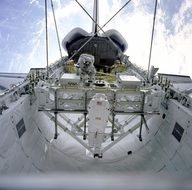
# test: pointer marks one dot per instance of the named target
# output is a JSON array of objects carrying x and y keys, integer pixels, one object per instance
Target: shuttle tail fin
[{"x": 95, "y": 16}]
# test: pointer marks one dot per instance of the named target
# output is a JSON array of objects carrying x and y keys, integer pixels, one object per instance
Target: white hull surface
[
  {"x": 36, "y": 151},
  {"x": 94, "y": 120}
]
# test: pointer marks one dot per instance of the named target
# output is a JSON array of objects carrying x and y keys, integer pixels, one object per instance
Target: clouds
[
  {"x": 183, "y": 17},
  {"x": 172, "y": 51},
  {"x": 172, "y": 40},
  {"x": 34, "y": 2},
  {"x": 135, "y": 25}
]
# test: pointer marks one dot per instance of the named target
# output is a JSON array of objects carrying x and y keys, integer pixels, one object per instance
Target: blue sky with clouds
[{"x": 22, "y": 33}]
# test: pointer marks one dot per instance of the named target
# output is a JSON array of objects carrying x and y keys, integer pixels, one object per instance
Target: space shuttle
[
  {"x": 106, "y": 47},
  {"x": 94, "y": 111}
]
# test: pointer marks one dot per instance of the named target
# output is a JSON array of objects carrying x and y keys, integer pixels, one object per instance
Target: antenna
[
  {"x": 152, "y": 34},
  {"x": 95, "y": 17},
  {"x": 46, "y": 38}
]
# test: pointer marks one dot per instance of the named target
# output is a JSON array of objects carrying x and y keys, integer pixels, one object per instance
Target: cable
[
  {"x": 46, "y": 37},
  {"x": 116, "y": 13},
  {"x": 57, "y": 33},
  {"x": 98, "y": 30},
  {"x": 98, "y": 26},
  {"x": 151, "y": 46}
]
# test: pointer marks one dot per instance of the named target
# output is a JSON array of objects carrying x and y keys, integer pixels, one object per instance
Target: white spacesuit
[{"x": 86, "y": 67}]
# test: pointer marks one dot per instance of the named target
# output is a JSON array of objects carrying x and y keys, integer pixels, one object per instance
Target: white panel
[
  {"x": 179, "y": 163},
  {"x": 3, "y": 165},
  {"x": 7, "y": 135},
  {"x": 27, "y": 166},
  {"x": 186, "y": 154},
  {"x": 40, "y": 121},
  {"x": 15, "y": 158},
  {"x": 37, "y": 153},
  {"x": 157, "y": 152},
  {"x": 171, "y": 167},
  {"x": 69, "y": 78}
]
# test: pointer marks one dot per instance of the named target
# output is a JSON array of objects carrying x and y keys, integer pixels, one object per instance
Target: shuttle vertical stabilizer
[{"x": 95, "y": 16}]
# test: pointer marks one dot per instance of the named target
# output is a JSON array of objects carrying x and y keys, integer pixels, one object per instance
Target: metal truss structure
[{"x": 69, "y": 96}]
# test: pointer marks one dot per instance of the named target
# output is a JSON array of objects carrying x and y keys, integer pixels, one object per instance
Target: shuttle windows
[
  {"x": 20, "y": 127},
  {"x": 178, "y": 132}
]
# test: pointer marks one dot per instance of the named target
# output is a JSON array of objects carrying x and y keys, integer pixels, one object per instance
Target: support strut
[
  {"x": 56, "y": 132},
  {"x": 113, "y": 117},
  {"x": 142, "y": 116},
  {"x": 140, "y": 130},
  {"x": 85, "y": 118}
]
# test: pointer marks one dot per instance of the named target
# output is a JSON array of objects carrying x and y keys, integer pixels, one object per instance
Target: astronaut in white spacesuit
[{"x": 86, "y": 68}]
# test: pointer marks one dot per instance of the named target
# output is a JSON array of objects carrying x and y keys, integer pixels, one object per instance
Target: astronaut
[{"x": 86, "y": 68}]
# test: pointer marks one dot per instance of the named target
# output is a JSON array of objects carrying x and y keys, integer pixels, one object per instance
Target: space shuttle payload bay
[{"x": 112, "y": 122}]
